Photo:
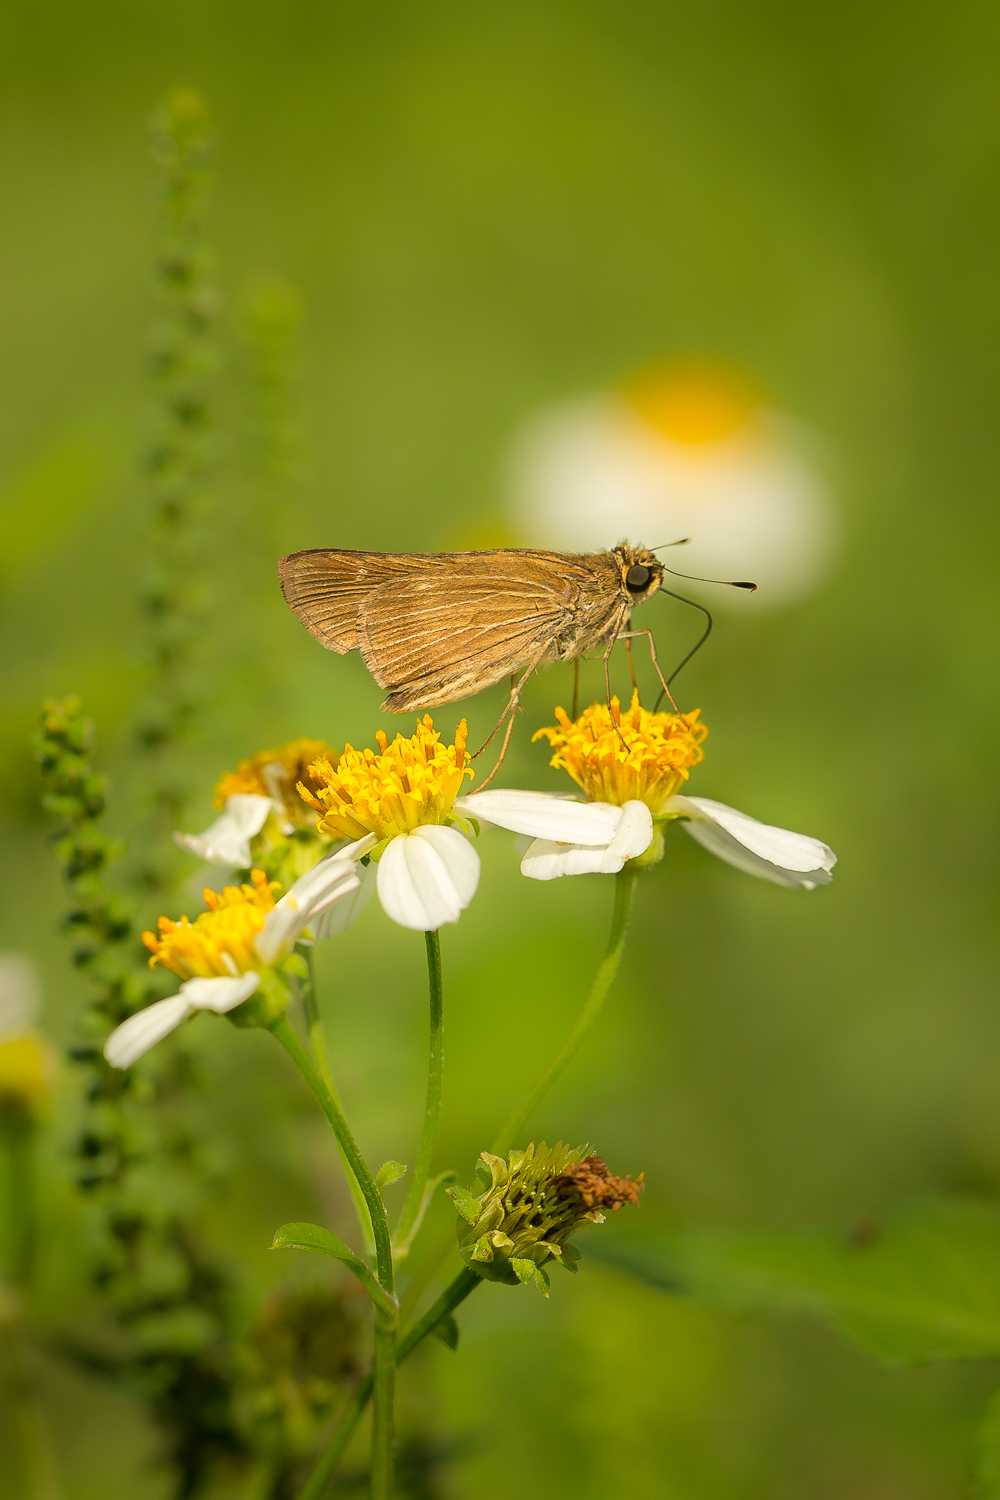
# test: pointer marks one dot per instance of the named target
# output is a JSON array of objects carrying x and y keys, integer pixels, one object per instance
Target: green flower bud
[{"x": 534, "y": 1201}]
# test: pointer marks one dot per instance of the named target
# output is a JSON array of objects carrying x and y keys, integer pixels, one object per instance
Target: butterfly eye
[{"x": 637, "y": 577}]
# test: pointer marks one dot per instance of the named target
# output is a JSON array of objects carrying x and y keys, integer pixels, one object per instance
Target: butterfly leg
[
  {"x": 511, "y": 709},
  {"x": 631, "y": 664},
  {"x": 607, "y": 680},
  {"x": 632, "y": 635}
]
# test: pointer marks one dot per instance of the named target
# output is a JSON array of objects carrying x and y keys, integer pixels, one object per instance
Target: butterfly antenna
[
  {"x": 697, "y": 645},
  {"x": 726, "y": 583},
  {"x": 681, "y": 541}
]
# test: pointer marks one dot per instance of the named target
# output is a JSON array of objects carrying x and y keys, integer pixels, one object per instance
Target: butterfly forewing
[
  {"x": 325, "y": 587},
  {"x": 431, "y": 643}
]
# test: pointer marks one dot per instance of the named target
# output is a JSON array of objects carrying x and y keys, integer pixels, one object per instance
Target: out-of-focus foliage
[{"x": 483, "y": 211}]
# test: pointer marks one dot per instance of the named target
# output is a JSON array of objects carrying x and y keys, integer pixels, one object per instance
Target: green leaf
[
  {"x": 924, "y": 1286},
  {"x": 524, "y": 1270},
  {"x": 447, "y": 1331},
  {"x": 469, "y": 1207},
  {"x": 388, "y": 1173},
  {"x": 313, "y": 1237}
]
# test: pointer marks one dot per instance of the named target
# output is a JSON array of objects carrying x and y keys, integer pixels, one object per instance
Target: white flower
[
  {"x": 424, "y": 879},
  {"x": 20, "y": 994},
  {"x": 581, "y": 838},
  {"x": 679, "y": 453},
  {"x": 227, "y": 841},
  {"x": 244, "y": 934}
]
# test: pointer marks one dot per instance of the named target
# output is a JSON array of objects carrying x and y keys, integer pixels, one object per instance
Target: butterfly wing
[
  {"x": 449, "y": 631},
  {"x": 325, "y": 587}
]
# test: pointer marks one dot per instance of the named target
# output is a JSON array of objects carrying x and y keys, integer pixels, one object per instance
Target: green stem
[
  {"x": 455, "y": 1293},
  {"x": 384, "y": 1390},
  {"x": 40, "y": 1474},
  {"x": 604, "y": 978},
  {"x": 414, "y": 1206},
  {"x": 321, "y": 1056},
  {"x": 285, "y": 1034}
]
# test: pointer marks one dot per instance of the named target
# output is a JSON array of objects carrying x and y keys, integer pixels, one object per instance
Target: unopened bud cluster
[{"x": 534, "y": 1202}]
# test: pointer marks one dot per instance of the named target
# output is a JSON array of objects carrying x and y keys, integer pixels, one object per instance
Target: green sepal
[
  {"x": 541, "y": 1281},
  {"x": 483, "y": 1250},
  {"x": 447, "y": 1331},
  {"x": 469, "y": 1207},
  {"x": 524, "y": 1270},
  {"x": 388, "y": 1173},
  {"x": 296, "y": 964}
]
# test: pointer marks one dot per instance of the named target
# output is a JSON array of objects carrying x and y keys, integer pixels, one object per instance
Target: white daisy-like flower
[
  {"x": 632, "y": 792},
  {"x": 400, "y": 806},
  {"x": 681, "y": 451},
  {"x": 231, "y": 951}
]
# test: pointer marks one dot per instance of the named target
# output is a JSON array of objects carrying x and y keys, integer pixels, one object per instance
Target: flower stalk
[
  {"x": 604, "y": 978},
  {"x": 417, "y": 1197}
]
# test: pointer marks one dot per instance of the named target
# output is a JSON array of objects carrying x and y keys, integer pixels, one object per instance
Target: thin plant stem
[
  {"x": 40, "y": 1473},
  {"x": 321, "y": 1057},
  {"x": 285, "y": 1034},
  {"x": 453, "y": 1295},
  {"x": 384, "y": 1393},
  {"x": 414, "y": 1204},
  {"x": 384, "y": 1374},
  {"x": 604, "y": 978}
]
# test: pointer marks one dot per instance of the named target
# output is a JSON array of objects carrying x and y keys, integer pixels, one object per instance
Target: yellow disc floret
[
  {"x": 219, "y": 943},
  {"x": 276, "y": 774},
  {"x": 409, "y": 782},
  {"x": 26, "y": 1073},
  {"x": 657, "y": 756}
]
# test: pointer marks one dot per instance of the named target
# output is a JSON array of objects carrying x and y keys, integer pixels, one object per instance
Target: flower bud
[{"x": 534, "y": 1202}]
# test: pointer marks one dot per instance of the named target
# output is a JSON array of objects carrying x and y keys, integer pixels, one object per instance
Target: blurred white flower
[
  {"x": 683, "y": 450},
  {"x": 20, "y": 994}
]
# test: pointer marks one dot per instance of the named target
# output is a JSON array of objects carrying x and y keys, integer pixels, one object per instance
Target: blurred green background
[{"x": 485, "y": 208}]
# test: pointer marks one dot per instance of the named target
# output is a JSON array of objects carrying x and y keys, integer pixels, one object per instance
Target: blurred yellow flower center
[
  {"x": 693, "y": 404},
  {"x": 409, "y": 782},
  {"x": 276, "y": 774},
  {"x": 662, "y": 748},
  {"x": 219, "y": 943},
  {"x": 26, "y": 1067}
]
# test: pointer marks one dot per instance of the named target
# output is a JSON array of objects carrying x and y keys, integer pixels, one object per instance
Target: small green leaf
[
  {"x": 311, "y": 1237},
  {"x": 924, "y": 1286},
  {"x": 470, "y": 1208},
  {"x": 524, "y": 1270},
  {"x": 447, "y": 1331},
  {"x": 388, "y": 1173},
  {"x": 483, "y": 1250},
  {"x": 542, "y": 1281}
]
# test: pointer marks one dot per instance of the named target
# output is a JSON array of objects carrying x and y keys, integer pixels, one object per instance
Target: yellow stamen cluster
[
  {"x": 661, "y": 749},
  {"x": 219, "y": 943},
  {"x": 409, "y": 782},
  {"x": 694, "y": 404},
  {"x": 276, "y": 774}
]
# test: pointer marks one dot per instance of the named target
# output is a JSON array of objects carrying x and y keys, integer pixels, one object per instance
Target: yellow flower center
[
  {"x": 276, "y": 774},
  {"x": 219, "y": 943},
  {"x": 409, "y": 782},
  {"x": 693, "y": 403},
  {"x": 657, "y": 756},
  {"x": 26, "y": 1068}
]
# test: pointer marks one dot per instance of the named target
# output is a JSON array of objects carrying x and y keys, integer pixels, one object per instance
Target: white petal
[
  {"x": 220, "y": 995},
  {"x": 427, "y": 878},
  {"x": 324, "y": 884},
  {"x": 547, "y": 859},
  {"x": 790, "y": 859},
  {"x": 227, "y": 841},
  {"x": 543, "y": 816},
  {"x": 358, "y": 847},
  {"x": 20, "y": 994},
  {"x": 129, "y": 1041},
  {"x": 338, "y": 916}
]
